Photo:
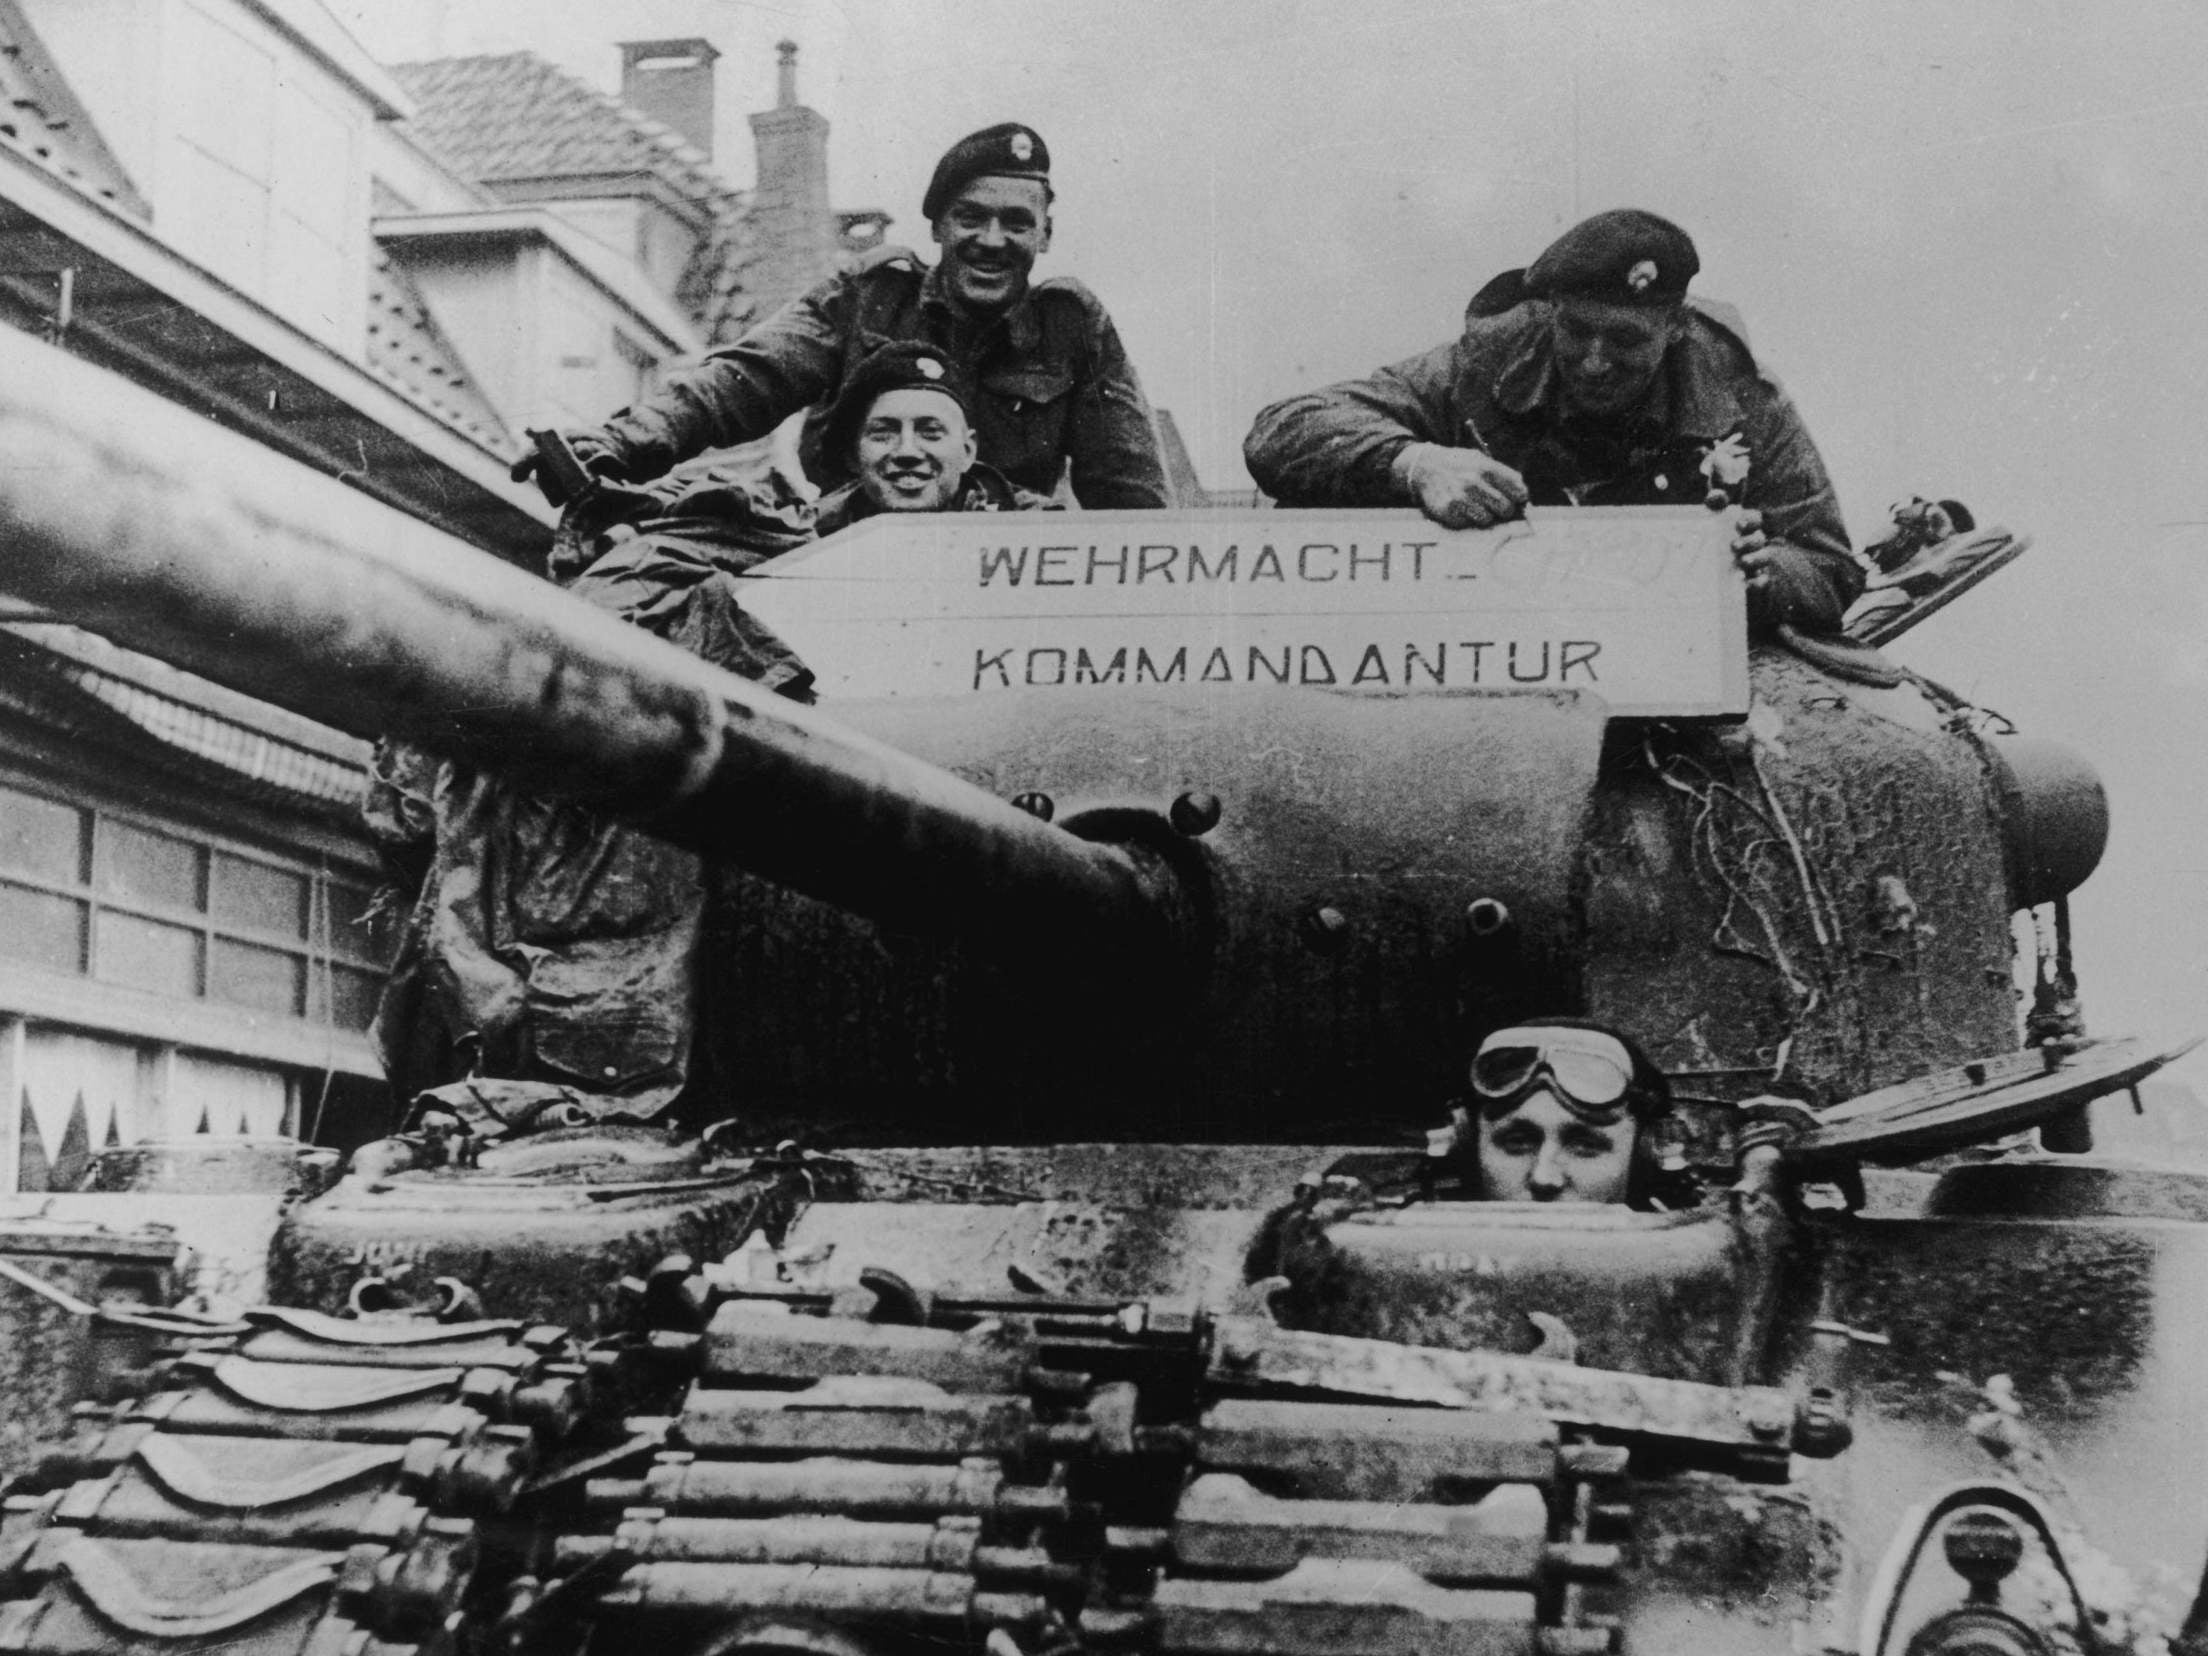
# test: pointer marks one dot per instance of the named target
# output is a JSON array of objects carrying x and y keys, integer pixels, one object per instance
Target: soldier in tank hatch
[
  {"x": 1054, "y": 396},
  {"x": 903, "y": 423},
  {"x": 1586, "y": 379},
  {"x": 1561, "y": 1110}
]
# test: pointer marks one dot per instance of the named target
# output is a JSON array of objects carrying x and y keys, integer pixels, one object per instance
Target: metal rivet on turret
[
  {"x": 1036, "y": 804},
  {"x": 1194, "y": 813}
]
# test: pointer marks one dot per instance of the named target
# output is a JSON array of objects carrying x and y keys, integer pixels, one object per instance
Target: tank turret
[
  {"x": 1271, "y": 880},
  {"x": 1073, "y": 1273}
]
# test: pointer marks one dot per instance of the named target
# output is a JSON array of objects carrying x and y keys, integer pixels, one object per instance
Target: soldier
[
  {"x": 903, "y": 424},
  {"x": 1055, "y": 395},
  {"x": 552, "y": 954},
  {"x": 1585, "y": 379},
  {"x": 1562, "y": 1110}
]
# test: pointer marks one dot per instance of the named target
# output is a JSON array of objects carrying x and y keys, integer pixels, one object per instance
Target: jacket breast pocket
[{"x": 1021, "y": 388}]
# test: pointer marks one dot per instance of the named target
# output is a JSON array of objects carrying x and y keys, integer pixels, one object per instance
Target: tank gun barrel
[{"x": 130, "y": 516}]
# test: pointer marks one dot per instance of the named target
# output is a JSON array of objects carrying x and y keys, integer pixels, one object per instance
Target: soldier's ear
[{"x": 1043, "y": 246}]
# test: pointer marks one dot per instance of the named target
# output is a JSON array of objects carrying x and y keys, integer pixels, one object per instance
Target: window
[{"x": 169, "y": 912}]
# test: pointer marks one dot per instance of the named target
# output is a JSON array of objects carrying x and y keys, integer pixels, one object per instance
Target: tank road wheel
[{"x": 320, "y": 1486}]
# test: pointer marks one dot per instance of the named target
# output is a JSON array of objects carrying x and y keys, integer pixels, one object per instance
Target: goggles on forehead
[{"x": 1590, "y": 1068}]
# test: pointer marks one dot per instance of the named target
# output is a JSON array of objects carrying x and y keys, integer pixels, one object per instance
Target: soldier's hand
[
  {"x": 1784, "y": 583},
  {"x": 590, "y": 448},
  {"x": 1753, "y": 550},
  {"x": 1460, "y": 488}
]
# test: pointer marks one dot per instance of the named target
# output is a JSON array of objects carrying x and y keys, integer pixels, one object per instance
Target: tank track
[
  {"x": 317, "y": 1485},
  {"x": 398, "y": 1487},
  {"x": 1004, "y": 1489}
]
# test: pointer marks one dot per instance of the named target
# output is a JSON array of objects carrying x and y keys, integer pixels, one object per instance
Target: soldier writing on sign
[
  {"x": 1054, "y": 394},
  {"x": 1562, "y": 1110},
  {"x": 1585, "y": 379}
]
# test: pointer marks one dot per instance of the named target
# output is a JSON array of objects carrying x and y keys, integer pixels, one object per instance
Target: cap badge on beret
[
  {"x": 927, "y": 368},
  {"x": 1623, "y": 257},
  {"x": 1022, "y": 147}
]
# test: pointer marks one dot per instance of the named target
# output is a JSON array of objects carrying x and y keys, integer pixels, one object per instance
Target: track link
[
  {"x": 397, "y": 1487},
  {"x": 315, "y": 1486},
  {"x": 913, "y": 1486},
  {"x": 1317, "y": 1527}
]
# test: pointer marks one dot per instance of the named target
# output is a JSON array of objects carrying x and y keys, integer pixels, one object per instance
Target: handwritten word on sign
[{"x": 1640, "y": 605}]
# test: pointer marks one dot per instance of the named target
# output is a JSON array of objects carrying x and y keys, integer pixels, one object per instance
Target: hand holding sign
[{"x": 1753, "y": 550}]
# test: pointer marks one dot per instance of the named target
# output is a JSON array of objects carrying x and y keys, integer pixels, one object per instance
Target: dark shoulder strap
[{"x": 1070, "y": 313}]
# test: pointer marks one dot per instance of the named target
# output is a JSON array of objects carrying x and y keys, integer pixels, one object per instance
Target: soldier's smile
[{"x": 910, "y": 479}]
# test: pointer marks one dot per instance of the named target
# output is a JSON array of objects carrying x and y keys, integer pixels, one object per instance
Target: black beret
[
  {"x": 906, "y": 365},
  {"x": 1007, "y": 150},
  {"x": 1624, "y": 257}
]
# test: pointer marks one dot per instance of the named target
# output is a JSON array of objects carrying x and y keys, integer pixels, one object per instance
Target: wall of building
[
  {"x": 663, "y": 245},
  {"x": 646, "y": 232},
  {"x": 482, "y": 293},
  {"x": 543, "y": 341},
  {"x": 594, "y": 365},
  {"x": 252, "y": 155}
]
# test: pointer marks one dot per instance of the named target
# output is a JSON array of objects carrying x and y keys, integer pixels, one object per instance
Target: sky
[{"x": 1969, "y": 236}]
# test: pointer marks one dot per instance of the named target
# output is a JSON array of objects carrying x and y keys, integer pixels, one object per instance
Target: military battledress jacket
[
  {"x": 1053, "y": 381},
  {"x": 1495, "y": 389}
]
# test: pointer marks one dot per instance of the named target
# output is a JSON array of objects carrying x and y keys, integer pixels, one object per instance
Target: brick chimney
[
  {"x": 672, "y": 82},
  {"x": 795, "y": 229}
]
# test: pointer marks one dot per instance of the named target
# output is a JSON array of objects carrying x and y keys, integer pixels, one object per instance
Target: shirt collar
[
  {"x": 1023, "y": 328},
  {"x": 983, "y": 488}
]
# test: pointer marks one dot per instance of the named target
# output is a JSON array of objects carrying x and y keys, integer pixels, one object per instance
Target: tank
[{"x": 1078, "y": 1268}]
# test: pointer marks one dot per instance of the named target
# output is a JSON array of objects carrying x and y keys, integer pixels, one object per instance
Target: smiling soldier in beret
[
  {"x": 1054, "y": 395},
  {"x": 1586, "y": 379},
  {"x": 904, "y": 423}
]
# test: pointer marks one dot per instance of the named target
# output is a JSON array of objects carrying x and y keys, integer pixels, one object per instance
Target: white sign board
[{"x": 1643, "y": 606}]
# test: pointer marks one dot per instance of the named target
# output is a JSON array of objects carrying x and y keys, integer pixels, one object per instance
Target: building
[
  {"x": 636, "y": 175},
  {"x": 372, "y": 274}
]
